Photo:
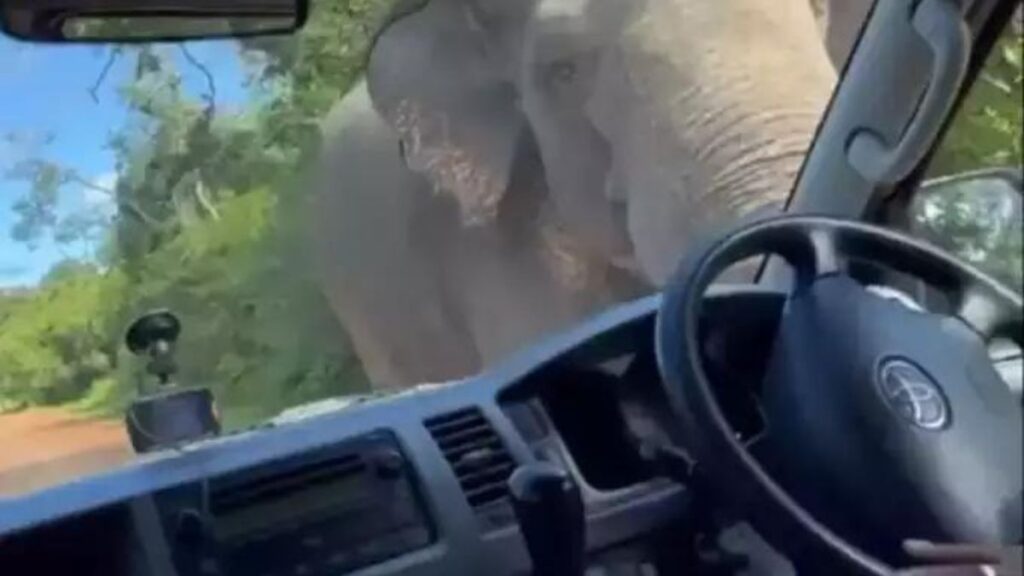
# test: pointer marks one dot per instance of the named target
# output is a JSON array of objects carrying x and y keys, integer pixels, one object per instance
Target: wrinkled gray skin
[{"x": 512, "y": 166}]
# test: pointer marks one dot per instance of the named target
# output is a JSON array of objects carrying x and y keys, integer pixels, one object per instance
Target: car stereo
[{"x": 330, "y": 512}]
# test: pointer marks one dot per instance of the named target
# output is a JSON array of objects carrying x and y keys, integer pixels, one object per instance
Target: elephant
[{"x": 508, "y": 167}]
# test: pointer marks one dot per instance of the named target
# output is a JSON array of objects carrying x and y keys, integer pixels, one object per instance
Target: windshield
[{"x": 402, "y": 193}]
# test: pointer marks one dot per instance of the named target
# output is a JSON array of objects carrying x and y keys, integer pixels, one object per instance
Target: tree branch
[
  {"x": 72, "y": 176},
  {"x": 211, "y": 94},
  {"x": 94, "y": 90},
  {"x": 129, "y": 206},
  {"x": 135, "y": 210},
  {"x": 204, "y": 200}
]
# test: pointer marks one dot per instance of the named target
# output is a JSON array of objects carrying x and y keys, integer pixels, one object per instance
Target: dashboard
[{"x": 414, "y": 483}]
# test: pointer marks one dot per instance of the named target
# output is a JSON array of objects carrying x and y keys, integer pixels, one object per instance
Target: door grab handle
[{"x": 940, "y": 23}]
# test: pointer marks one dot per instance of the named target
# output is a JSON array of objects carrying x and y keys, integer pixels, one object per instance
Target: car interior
[{"x": 811, "y": 422}]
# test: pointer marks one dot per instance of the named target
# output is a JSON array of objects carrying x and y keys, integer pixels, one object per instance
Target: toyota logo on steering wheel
[{"x": 913, "y": 394}]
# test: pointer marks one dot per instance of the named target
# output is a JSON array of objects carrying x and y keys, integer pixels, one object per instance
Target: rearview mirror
[
  {"x": 976, "y": 216},
  {"x": 147, "y": 20}
]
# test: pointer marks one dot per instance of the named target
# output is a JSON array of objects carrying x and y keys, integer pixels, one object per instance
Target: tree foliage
[
  {"x": 57, "y": 338},
  {"x": 205, "y": 222},
  {"x": 979, "y": 219},
  {"x": 986, "y": 132}
]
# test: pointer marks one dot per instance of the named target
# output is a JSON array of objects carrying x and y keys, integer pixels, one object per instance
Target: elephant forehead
[
  {"x": 562, "y": 28},
  {"x": 677, "y": 62}
]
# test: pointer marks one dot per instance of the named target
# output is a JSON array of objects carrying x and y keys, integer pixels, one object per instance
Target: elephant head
[
  {"x": 655, "y": 120},
  {"x": 528, "y": 162},
  {"x": 445, "y": 77}
]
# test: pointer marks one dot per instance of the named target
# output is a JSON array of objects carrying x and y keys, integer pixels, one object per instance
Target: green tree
[
  {"x": 57, "y": 338},
  {"x": 986, "y": 132}
]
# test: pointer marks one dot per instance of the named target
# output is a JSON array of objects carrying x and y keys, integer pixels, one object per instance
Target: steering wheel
[{"x": 883, "y": 422}]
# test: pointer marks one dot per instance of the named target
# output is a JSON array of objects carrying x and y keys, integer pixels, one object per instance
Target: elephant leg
[{"x": 380, "y": 244}]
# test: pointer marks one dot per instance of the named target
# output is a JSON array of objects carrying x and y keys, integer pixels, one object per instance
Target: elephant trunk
[{"x": 709, "y": 108}]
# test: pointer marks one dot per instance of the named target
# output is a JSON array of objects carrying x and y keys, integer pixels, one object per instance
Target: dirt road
[{"x": 43, "y": 447}]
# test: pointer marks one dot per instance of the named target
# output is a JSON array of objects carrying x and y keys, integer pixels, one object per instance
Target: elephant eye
[
  {"x": 570, "y": 78},
  {"x": 562, "y": 72}
]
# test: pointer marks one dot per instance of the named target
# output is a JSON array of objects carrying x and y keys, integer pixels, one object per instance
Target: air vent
[
  {"x": 230, "y": 495},
  {"x": 478, "y": 457}
]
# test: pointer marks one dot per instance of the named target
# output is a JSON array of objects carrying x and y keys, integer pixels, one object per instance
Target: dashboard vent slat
[
  {"x": 476, "y": 455},
  {"x": 486, "y": 494},
  {"x": 465, "y": 436},
  {"x": 456, "y": 421}
]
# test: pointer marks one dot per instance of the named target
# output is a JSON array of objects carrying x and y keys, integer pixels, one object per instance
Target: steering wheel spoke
[
  {"x": 987, "y": 313},
  {"x": 978, "y": 311},
  {"x": 824, "y": 244}
]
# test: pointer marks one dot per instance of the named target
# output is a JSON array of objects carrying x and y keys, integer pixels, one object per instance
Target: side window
[
  {"x": 970, "y": 202},
  {"x": 986, "y": 132}
]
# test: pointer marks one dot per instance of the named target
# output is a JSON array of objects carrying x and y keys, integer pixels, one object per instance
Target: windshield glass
[{"x": 404, "y": 192}]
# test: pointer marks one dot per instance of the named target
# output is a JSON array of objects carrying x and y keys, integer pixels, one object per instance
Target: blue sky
[{"x": 45, "y": 89}]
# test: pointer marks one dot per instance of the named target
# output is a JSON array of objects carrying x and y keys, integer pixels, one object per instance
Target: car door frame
[{"x": 880, "y": 89}]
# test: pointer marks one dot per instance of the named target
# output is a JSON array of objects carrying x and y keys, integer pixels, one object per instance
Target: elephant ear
[{"x": 433, "y": 77}]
